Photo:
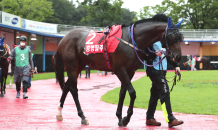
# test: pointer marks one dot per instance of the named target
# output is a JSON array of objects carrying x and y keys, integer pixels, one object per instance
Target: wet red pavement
[{"x": 39, "y": 111}]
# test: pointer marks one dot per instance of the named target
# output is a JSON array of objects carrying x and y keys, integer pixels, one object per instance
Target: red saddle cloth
[{"x": 93, "y": 38}]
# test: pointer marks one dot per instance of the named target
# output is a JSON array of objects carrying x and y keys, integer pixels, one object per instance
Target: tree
[
  {"x": 127, "y": 16},
  {"x": 80, "y": 13},
  {"x": 145, "y": 12},
  {"x": 201, "y": 13},
  {"x": 64, "y": 12},
  {"x": 198, "y": 14},
  {"x": 102, "y": 12},
  {"x": 36, "y": 10}
]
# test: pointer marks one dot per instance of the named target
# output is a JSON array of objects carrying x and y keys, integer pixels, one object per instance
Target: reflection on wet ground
[{"x": 108, "y": 85}]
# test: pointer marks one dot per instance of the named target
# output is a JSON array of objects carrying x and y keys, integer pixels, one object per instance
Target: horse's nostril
[{"x": 177, "y": 57}]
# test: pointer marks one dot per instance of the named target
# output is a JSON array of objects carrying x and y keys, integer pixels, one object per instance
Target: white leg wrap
[{"x": 59, "y": 111}]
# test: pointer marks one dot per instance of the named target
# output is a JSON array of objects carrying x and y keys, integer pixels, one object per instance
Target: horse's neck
[{"x": 146, "y": 34}]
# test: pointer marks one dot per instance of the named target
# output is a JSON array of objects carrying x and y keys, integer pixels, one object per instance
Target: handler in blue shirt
[
  {"x": 87, "y": 71},
  {"x": 160, "y": 88}
]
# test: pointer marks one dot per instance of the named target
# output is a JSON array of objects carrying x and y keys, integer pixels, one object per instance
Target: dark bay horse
[
  {"x": 4, "y": 65},
  {"x": 205, "y": 61},
  {"x": 124, "y": 61}
]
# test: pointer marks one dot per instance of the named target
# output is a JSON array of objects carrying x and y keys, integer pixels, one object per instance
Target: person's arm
[
  {"x": 30, "y": 60},
  {"x": 157, "y": 47},
  {"x": 34, "y": 62},
  {"x": 13, "y": 54},
  {"x": 173, "y": 64}
]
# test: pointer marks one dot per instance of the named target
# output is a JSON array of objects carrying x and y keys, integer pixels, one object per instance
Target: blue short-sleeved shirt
[{"x": 158, "y": 46}]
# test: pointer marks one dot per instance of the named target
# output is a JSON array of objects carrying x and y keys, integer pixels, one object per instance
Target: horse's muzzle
[{"x": 177, "y": 58}]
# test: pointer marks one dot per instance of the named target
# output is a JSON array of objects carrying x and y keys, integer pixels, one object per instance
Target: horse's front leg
[
  {"x": 126, "y": 84},
  {"x": 120, "y": 105},
  {"x": 60, "y": 107}
]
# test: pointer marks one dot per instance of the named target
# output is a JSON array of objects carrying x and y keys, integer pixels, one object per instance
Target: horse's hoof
[
  {"x": 1, "y": 95},
  {"x": 120, "y": 124},
  {"x": 125, "y": 121},
  {"x": 85, "y": 122},
  {"x": 59, "y": 117}
]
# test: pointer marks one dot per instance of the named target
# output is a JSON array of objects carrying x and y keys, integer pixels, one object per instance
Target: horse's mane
[{"x": 158, "y": 18}]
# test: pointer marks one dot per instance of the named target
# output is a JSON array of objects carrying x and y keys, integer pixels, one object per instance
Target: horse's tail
[{"x": 59, "y": 70}]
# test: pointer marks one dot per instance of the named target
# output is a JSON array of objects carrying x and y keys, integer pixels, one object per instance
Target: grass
[
  {"x": 44, "y": 76},
  {"x": 196, "y": 93}
]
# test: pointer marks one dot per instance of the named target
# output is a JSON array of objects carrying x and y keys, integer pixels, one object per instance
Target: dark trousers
[
  {"x": 87, "y": 72},
  {"x": 188, "y": 67},
  {"x": 160, "y": 90},
  {"x": 25, "y": 85},
  {"x": 29, "y": 81}
]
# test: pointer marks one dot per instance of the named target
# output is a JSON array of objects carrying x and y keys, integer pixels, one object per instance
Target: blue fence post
[{"x": 43, "y": 53}]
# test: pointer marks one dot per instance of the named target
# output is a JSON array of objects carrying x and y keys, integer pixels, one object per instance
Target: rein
[
  {"x": 21, "y": 73},
  {"x": 174, "y": 79},
  {"x": 168, "y": 52},
  {"x": 136, "y": 52},
  {"x": 123, "y": 41}
]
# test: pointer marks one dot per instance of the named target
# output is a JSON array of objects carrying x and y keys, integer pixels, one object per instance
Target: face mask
[{"x": 22, "y": 43}]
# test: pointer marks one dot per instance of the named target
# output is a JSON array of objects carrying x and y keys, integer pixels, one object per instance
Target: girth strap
[{"x": 106, "y": 55}]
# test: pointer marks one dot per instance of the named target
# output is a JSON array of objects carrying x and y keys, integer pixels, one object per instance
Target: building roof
[{"x": 34, "y": 32}]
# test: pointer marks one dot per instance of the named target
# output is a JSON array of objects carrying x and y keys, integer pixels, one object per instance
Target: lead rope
[
  {"x": 174, "y": 79},
  {"x": 22, "y": 73}
]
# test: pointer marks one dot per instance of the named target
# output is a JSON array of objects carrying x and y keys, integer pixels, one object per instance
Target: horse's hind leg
[
  {"x": 73, "y": 72},
  {"x": 74, "y": 92},
  {"x": 63, "y": 97}
]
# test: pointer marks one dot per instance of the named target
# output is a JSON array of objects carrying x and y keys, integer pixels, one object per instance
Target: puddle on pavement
[{"x": 98, "y": 87}]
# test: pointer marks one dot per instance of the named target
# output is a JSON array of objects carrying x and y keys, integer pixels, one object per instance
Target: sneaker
[
  {"x": 25, "y": 96},
  {"x": 18, "y": 95},
  {"x": 152, "y": 122},
  {"x": 174, "y": 122}
]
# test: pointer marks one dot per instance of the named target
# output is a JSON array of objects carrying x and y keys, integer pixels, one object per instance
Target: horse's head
[
  {"x": 2, "y": 46},
  {"x": 171, "y": 40}
]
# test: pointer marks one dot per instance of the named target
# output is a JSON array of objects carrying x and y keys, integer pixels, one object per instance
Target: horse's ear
[
  {"x": 169, "y": 22},
  {"x": 178, "y": 24}
]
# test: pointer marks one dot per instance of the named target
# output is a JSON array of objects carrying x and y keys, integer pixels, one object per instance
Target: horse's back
[
  {"x": 75, "y": 36},
  {"x": 71, "y": 47}
]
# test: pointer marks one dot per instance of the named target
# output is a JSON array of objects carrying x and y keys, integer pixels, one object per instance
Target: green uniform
[{"x": 22, "y": 57}]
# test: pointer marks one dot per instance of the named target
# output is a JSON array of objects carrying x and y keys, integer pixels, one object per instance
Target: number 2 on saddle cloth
[{"x": 96, "y": 42}]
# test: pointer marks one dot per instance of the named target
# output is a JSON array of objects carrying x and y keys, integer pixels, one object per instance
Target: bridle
[{"x": 168, "y": 52}]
